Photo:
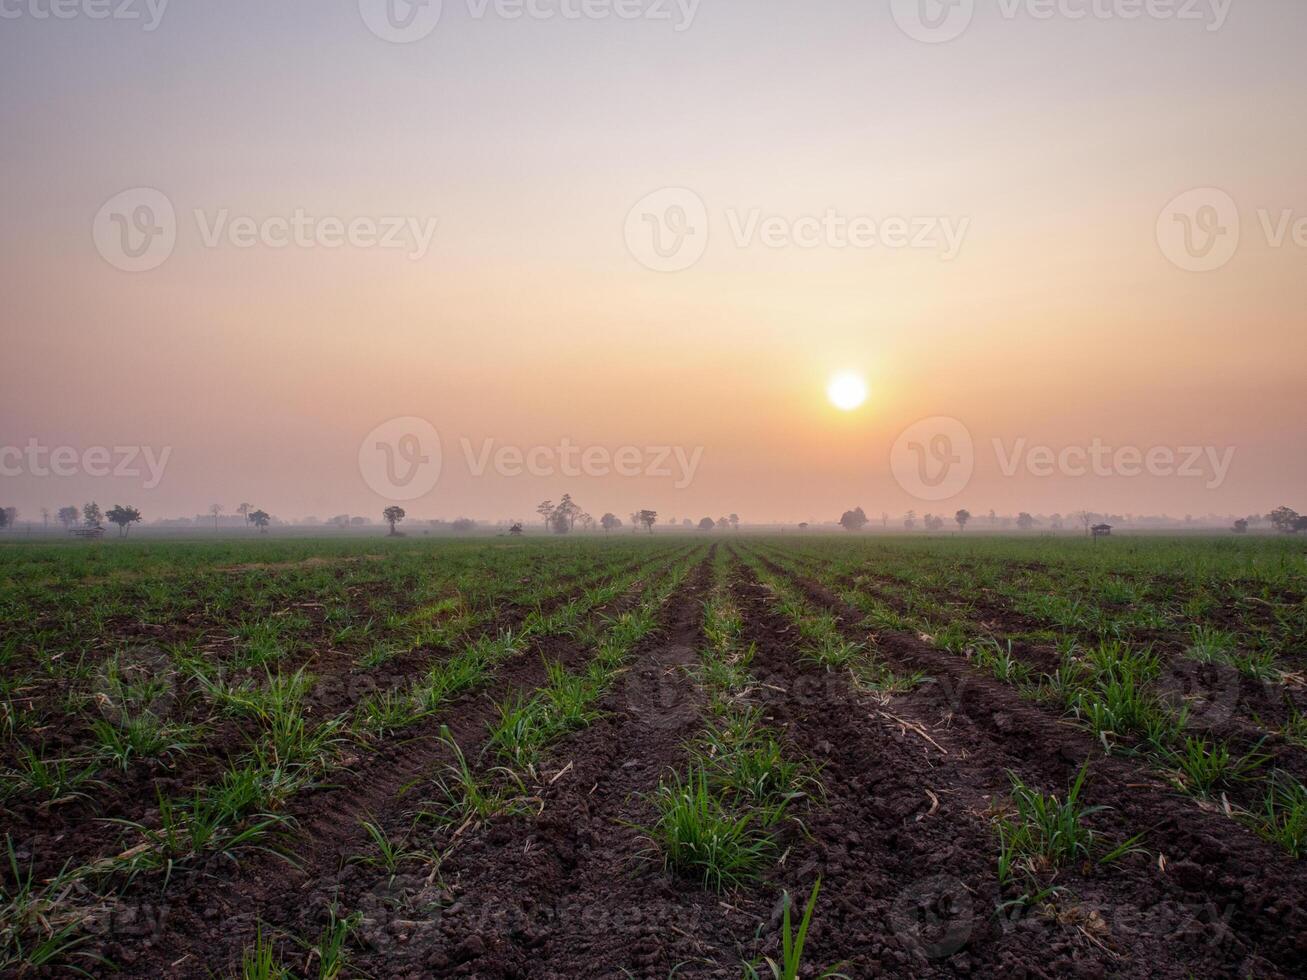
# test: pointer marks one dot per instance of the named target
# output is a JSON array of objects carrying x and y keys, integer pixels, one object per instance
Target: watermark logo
[
  {"x": 934, "y": 917},
  {"x": 1208, "y": 693},
  {"x": 133, "y": 682},
  {"x": 933, "y": 21},
  {"x": 401, "y": 21},
  {"x": 148, "y": 12},
  {"x": 938, "y": 21},
  {"x": 658, "y": 693},
  {"x": 400, "y": 459},
  {"x": 136, "y": 230},
  {"x": 570, "y": 459},
  {"x": 933, "y": 459},
  {"x": 123, "y": 462},
  {"x": 1199, "y": 231},
  {"x": 667, "y": 231}
]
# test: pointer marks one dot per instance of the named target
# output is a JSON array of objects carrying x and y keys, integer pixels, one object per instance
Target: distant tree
[
  {"x": 649, "y": 518},
  {"x": 1240, "y": 526},
  {"x": 687, "y": 523},
  {"x": 723, "y": 523},
  {"x": 559, "y": 523},
  {"x": 260, "y": 519},
  {"x": 4, "y": 518},
  {"x": 568, "y": 508},
  {"x": 853, "y": 520},
  {"x": 215, "y": 510},
  {"x": 393, "y": 515},
  {"x": 910, "y": 519},
  {"x": 546, "y": 510},
  {"x": 803, "y": 526},
  {"x": 1055, "y": 522},
  {"x": 735, "y": 522},
  {"x": 45, "y": 516},
  {"x": 464, "y": 524},
  {"x": 359, "y": 521},
  {"x": 1283, "y": 519},
  {"x": 884, "y": 520},
  {"x": 707, "y": 524},
  {"x": 244, "y": 511},
  {"x": 1025, "y": 521},
  {"x": 91, "y": 515},
  {"x": 11, "y": 516},
  {"x": 68, "y": 516},
  {"x": 993, "y": 517},
  {"x": 610, "y": 522},
  {"x": 516, "y": 529},
  {"x": 340, "y": 520},
  {"x": 1300, "y": 525},
  {"x": 962, "y": 517},
  {"x": 587, "y": 522},
  {"x": 124, "y": 517},
  {"x": 934, "y": 522},
  {"x": 1087, "y": 519}
]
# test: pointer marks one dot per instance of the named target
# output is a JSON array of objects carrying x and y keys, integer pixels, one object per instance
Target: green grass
[
  {"x": 701, "y": 838},
  {"x": 1043, "y": 831}
]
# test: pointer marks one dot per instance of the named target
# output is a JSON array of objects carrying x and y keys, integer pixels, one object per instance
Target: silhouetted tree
[
  {"x": 1283, "y": 519},
  {"x": 244, "y": 511},
  {"x": 707, "y": 524},
  {"x": 124, "y": 517},
  {"x": 610, "y": 522},
  {"x": 215, "y": 510},
  {"x": 649, "y": 518},
  {"x": 516, "y": 529},
  {"x": 910, "y": 519},
  {"x": 735, "y": 522},
  {"x": 91, "y": 515},
  {"x": 463, "y": 524},
  {"x": 393, "y": 516},
  {"x": 261, "y": 519},
  {"x": 853, "y": 520},
  {"x": 546, "y": 511},
  {"x": 962, "y": 517},
  {"x": 68, "y": 516},
  {"x": 1240, "y": 526},
  {"x": 1025, "y": 521}
]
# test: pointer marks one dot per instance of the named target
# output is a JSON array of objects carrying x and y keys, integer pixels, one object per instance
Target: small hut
[{"x": 1101, "y": 530}]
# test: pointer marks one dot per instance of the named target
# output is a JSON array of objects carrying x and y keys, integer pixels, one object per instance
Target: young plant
[
  {"x": 792, "y": 944},
  {"x": 700, "y": 838}
]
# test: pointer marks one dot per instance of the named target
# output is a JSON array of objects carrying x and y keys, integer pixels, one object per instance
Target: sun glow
[{"x": 847, "y": 391}]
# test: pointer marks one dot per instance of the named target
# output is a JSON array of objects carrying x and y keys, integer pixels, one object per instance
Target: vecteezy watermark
[
  {"x": 1201, "y": 229},
  {"x": 136, "y": 230},
  {"x": 935, "y": 458},
  {"x": 570, "y": 459},
  {"x": 407, "y": 21},
  {"x": 669, "y": 230},
  {"x": 149, "y": 12},
  {"x": 939, "y": 21},
  {"x": 401, "y": 460},
  {"x": 39, "y": 460}
]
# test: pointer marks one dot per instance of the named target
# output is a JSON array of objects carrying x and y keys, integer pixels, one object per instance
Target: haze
[{"x": 1049, "y": 314}]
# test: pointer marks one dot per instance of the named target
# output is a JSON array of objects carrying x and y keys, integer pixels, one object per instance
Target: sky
[{"x": 325, "y": 256}]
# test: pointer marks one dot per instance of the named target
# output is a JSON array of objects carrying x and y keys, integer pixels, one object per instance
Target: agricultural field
[{"x": 655, "y": 755}]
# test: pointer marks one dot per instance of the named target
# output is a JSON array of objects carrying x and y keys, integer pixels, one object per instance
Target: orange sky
[{"x": 531, "y": 319}]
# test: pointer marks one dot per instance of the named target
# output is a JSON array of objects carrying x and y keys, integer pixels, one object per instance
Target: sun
[{"x": 847, "y": 391}]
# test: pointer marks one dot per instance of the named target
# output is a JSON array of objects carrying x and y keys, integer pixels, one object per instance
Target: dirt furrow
[{"x": 1250, "y": 893}]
